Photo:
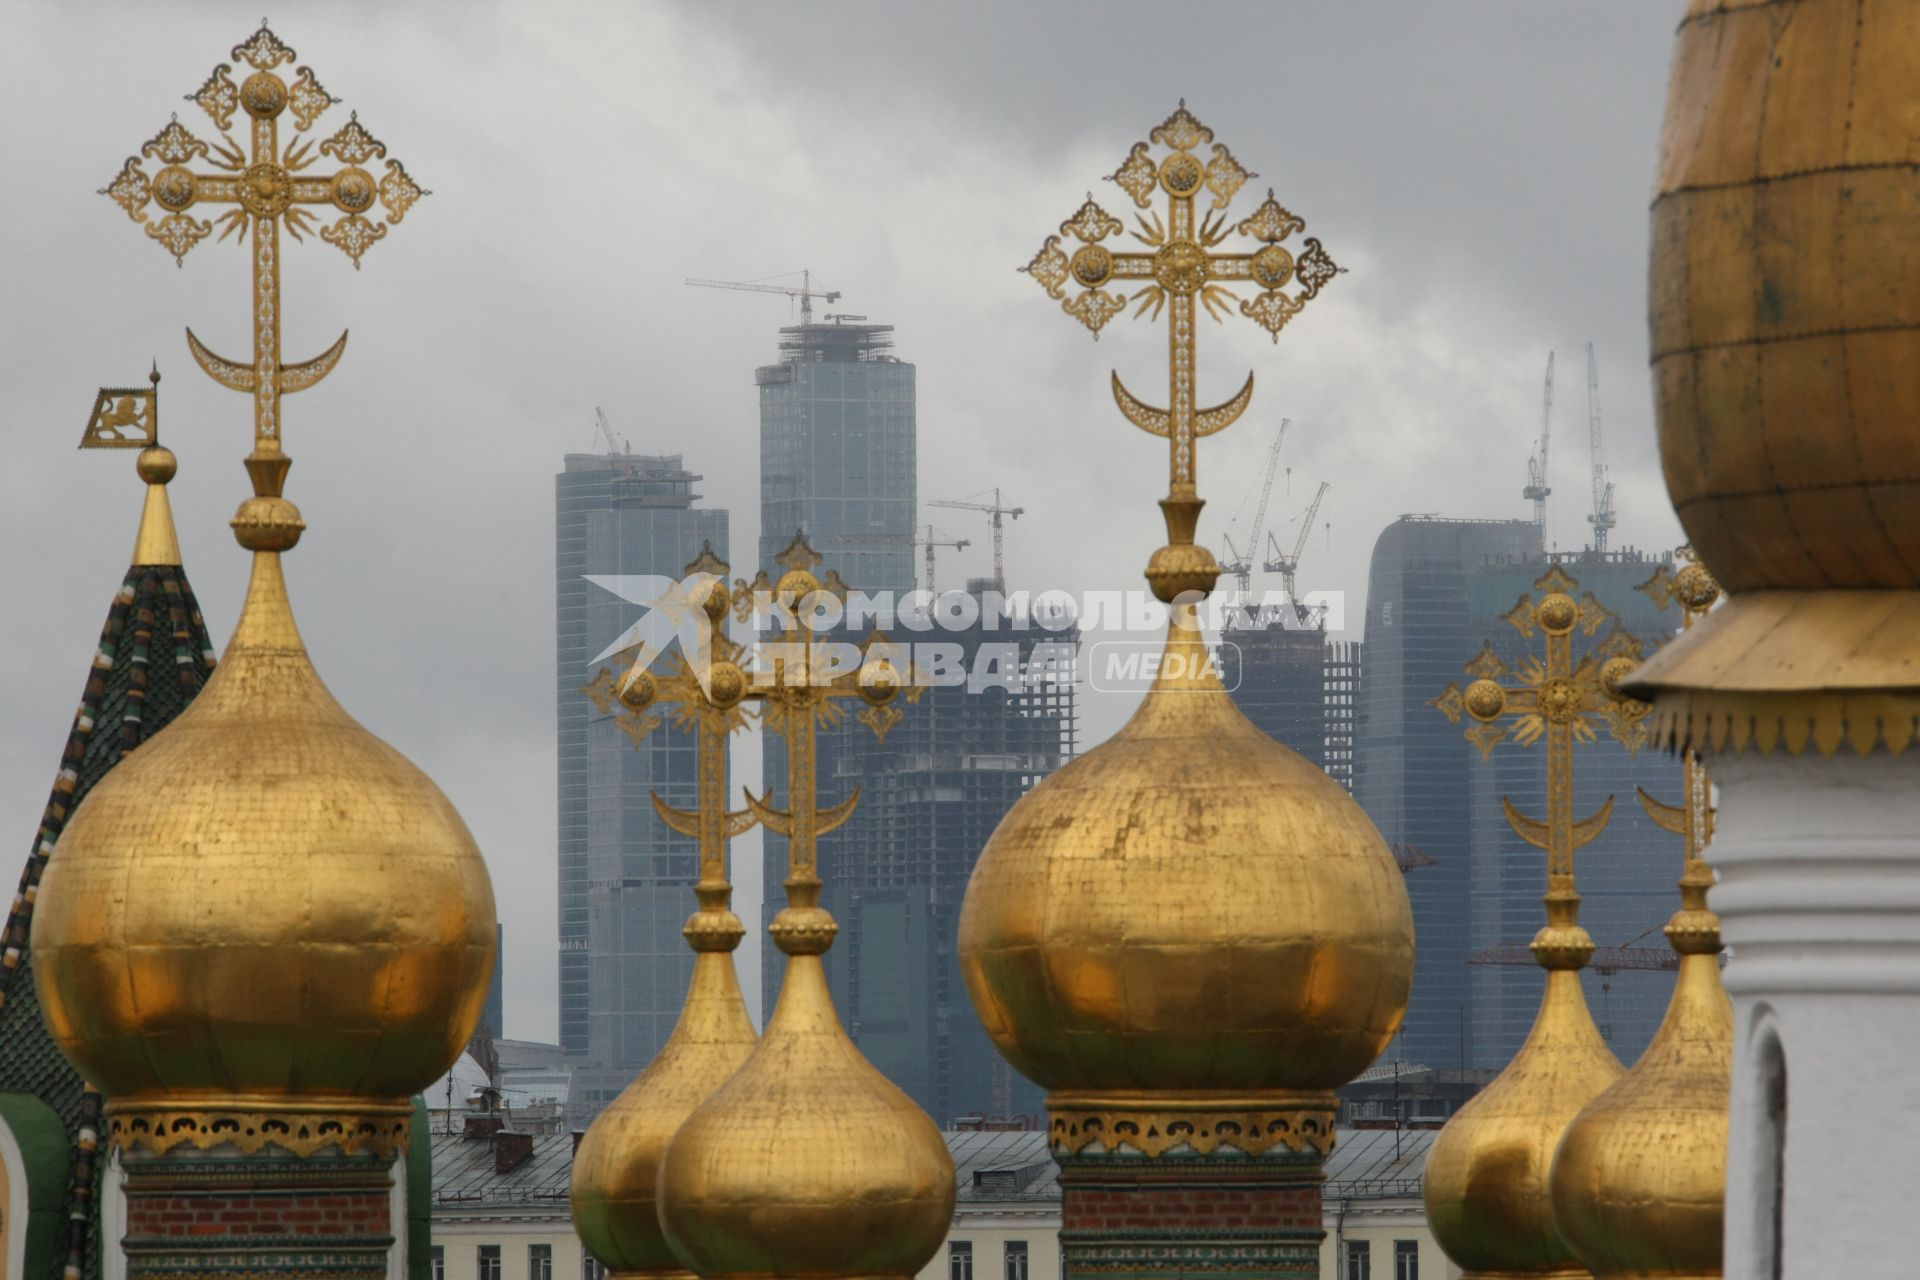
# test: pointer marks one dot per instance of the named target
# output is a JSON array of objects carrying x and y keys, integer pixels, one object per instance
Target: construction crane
[
  {"x": 1602, "y": 517},
  {"x": 806, "y": 292},
  {"x": 930, "y": 542},
  {"x": 615, "y": 446},
  {"x": 1288, "y": 564},
  {"x": 1241, "y": 565},
  {"x": 995, "y": 511},
  {"x": 1606, "y": 961},
  {"x": 1537, "y": 488}
]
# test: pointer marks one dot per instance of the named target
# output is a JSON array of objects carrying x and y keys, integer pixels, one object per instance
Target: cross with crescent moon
[
  {"x": 1182, "y": 263},
  {"x": 265, "y": 187},
  {"x": 1561, "y": 700},
  {"x": 799, "y": 694},
  {"x": 714, "y": 709}
]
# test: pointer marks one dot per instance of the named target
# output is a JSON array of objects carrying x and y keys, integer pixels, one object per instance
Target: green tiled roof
[{"x": 154, "y": 656}]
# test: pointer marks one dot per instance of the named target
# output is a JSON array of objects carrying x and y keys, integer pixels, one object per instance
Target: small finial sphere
[
  {"x": 726, "y": 685},
  {"x": 156, "y": 464},
  {"x": 1695, "y": 587},
  {"x": 638, "y": 690},
  {"x": 1613, "y": 672},
  {"x": 1558, "y": 613},
  {"x": 1485, "y": 700}
]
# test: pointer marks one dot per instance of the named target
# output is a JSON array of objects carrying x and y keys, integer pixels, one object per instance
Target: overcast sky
[{"x": 1483, "y": 170}]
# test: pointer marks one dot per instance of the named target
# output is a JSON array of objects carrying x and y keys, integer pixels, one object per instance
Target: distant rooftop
[{"x": 808, "y": 342}]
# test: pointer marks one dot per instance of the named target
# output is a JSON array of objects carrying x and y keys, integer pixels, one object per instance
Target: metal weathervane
[
  {"x": 1565, "y": 702},
  {"x": 258, "y": 188},
  {"x": 1181, "y": 263}
]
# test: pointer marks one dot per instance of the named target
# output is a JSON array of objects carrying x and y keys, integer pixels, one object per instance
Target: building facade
[
  {"x": 838, "y": 452},
  {"x": 1411, "y": 768},
  {"x": 625, "y": 880},
  {"x": 1299, "y": 687}
]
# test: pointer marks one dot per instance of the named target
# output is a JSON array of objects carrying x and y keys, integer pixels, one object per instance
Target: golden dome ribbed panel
[
  {"x": 1785, "y": 293},
  {"x": 265, "y": 901},
  {"x": 1189, "y": 906}
]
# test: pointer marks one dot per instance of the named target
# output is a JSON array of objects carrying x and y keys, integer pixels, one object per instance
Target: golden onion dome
[
  {"x": 1487, "y": 1193},
  {"x": 1785, "y": 293},
  {"x": 1640, "y": 1182},
  {"x": 616, "y": 1170},
  {"x": 265, "y": 908},
  {"x": 1188, "y": 906},
  {"x": 808, "y": 1161}
]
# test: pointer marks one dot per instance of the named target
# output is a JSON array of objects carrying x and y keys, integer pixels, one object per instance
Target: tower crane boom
[
  {"x": 1602, "y": 517},
  {"x": 806, "y": 292},
  {"x": 1537, "y": 470},
  {"x": 1239, "y": 565},
  {"x": 995, "y": 510},
  {"x": 1287, "y": 564},
  {"x": 929, "y": 541}
]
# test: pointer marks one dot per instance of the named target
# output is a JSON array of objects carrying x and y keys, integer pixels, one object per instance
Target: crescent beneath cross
[
  {"x": 1159, "y": 423},
  {"x": 239, "y": 377},
  {"x": 1535, "y": 832}
]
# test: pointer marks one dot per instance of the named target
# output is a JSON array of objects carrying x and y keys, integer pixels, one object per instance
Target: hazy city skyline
[{"x": 1471, "y": 168}]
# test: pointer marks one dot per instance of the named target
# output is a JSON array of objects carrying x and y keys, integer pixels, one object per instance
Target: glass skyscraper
[
  {"x": 837, "y": 452},
  {"x": 1412, "y": 770},
  {"x": 625, "y": 880}
]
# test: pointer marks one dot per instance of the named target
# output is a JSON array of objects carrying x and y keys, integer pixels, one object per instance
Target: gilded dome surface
[
  {"x": 265, "y": 902},
  {"x": 617, "y": 1167},
  {"x": 1487, "y": 1193},
  {"x": 807, "y": 1162},
  {"x": 1640, "y": 1181},
  {"x": 1785, "y": 293},
  {"x": 1189, "y": 906}
]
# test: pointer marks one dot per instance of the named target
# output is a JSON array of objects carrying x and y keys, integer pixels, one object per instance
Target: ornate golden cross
[
  {"x": 714, "y": 709},
  {"x": 266, "y": 187},
  {"x": 1693, "y": 588},
  {"x": 1563, "y": 701},
  {"x": 802, "y": 695},
  {"x": 1182, "y": 264}
]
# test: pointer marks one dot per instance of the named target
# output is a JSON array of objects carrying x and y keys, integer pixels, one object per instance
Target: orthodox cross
[
  {"x": 800, "y": 692},
  {"x": 264, "y": 187},
  {"x": 714, "y": 708},
  {"x": 1693, "y": 588},
  {"x": 1182, "y": 263},
  {"x": 1562, "y": 700}
]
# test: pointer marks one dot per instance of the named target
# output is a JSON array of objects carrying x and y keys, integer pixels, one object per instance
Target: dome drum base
[
  {"x": 1199, "y": 1124},
  {"x": 216, "y": 1215},
  {"x": 246, "y": 1126},
  {"x": 1196, "y": 1185}
]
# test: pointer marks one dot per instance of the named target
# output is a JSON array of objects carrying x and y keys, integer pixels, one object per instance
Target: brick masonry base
[
  {"x": 194, "y": 1214},
  {"x": 1172, "y": 1217}
]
